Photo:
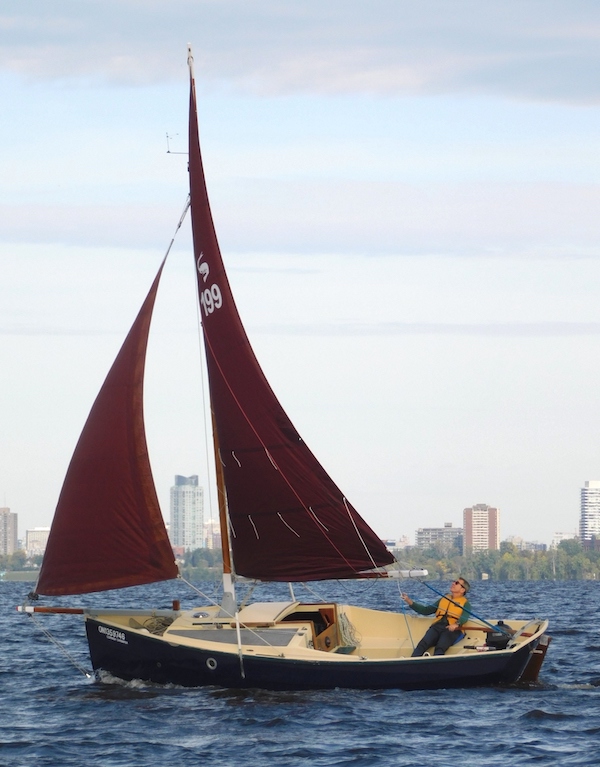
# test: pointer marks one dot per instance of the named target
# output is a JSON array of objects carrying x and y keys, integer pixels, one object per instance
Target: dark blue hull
[{"x": 129, "y": 655}]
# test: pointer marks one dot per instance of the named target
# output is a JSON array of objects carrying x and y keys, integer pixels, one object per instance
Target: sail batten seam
[
  {"x": 317, "y": 518},
  {"x": 270, "y": 457},
  {"x": 361, "y": 539},
  {"x": 288, "y": 526},
  {"x": 254, "y": 528}
]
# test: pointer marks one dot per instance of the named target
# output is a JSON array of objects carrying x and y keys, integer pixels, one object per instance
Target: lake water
[{"x": 51, "y": 714}]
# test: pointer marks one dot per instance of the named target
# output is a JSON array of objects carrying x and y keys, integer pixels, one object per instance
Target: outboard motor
[{"x": 499, "y": 638}]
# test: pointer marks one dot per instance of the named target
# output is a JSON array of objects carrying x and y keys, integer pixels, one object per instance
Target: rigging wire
[
  {"x": 233, "y": 617},
  {"x": 205, "y": 409},
  {"x": 469, "y": 612},
  {"x": 404, "y": 607},
  {"x": 61, "y": 647},
  {"x": 360, "y": 538},
  {"x": 246, "y": 599},
  {"x": 198, "y": 591},
  {"x": 313, "y": 592},
  {"x": 207, "y": 450},
  {"x": 188, "y": 202}
]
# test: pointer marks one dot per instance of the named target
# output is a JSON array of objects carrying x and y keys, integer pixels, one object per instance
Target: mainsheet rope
[{"x": 469, "y": 612}]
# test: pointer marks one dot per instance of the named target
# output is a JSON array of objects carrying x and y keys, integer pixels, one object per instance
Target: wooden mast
[{"x": 229, "y": 605}]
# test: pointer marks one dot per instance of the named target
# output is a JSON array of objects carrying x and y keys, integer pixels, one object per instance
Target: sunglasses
[{"x": 458, "y": 583}]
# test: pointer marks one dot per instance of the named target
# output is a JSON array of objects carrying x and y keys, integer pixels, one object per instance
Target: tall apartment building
[
  {"x": 9, "y": 540},
  {"x": 589, "y": 520},
  {"x": 481, "y": 524},
  {"x": 186, "y": 527}
]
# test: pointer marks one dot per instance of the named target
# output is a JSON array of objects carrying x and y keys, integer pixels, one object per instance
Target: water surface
[{"x": 53, "y": 715}]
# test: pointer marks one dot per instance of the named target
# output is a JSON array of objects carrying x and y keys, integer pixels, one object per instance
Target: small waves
[
  {"x": 52, "y": 716},
  {"x": 538, "y": 713}
]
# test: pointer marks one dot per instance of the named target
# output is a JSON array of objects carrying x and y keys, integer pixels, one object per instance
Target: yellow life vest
[{"x": 450, "y": 608}]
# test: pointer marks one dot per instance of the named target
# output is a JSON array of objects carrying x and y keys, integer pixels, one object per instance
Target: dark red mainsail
[
  {"x": 288, "y": 520},
  {"x": 108, "y": 531}
]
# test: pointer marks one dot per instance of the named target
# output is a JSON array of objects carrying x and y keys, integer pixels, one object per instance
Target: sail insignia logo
[
  {"x": 203, "y": 268},
  {"x": 113, "y": 634}
]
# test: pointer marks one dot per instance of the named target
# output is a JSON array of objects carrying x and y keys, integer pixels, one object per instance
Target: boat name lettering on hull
[{"x": 113, "y": 634}]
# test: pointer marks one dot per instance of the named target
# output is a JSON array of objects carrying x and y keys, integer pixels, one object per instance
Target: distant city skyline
[
  {"x": 185, "y": 487},
  {"x": 187, "y": 496}
]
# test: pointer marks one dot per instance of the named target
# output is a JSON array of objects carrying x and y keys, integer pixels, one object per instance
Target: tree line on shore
[{"x": 569, "y": 561}]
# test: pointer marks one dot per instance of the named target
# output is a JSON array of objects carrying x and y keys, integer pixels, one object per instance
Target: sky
[{"x": 406, "y": 197}]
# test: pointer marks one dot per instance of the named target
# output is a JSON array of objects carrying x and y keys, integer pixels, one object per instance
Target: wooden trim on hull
[{"x": 129, "y": 655}]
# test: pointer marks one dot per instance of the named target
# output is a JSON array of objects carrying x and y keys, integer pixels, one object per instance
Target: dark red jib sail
[
  {"x": 108, "y": 531},
  {"x": 288, "y": 520}
]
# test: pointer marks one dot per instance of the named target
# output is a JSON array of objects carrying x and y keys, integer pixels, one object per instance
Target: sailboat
[{"x": 282, "y": 519}]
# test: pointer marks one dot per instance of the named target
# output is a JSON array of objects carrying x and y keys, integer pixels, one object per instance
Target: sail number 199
[{"x": 211, "y": 299}]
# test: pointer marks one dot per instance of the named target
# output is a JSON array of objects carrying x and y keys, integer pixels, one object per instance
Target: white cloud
[
  {"x": 540, "y": 49},
  {"x": 553, "y": 220}
]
